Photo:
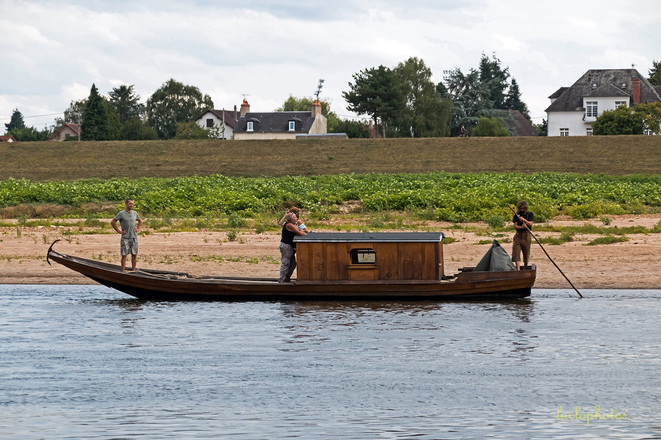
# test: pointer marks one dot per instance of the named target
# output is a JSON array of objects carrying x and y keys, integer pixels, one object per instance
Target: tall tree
[
  {"x": 175, "y": 102},
  {"x": 424, "y": 113},
  {"x": 99, "y": 121},
  {"x": 126, "y": 103},
  {"x": 73, "y": 114},
  {"x": 16, "y": 122},
  {"x": 513, "y": 100},
  {"x": 376, "y": 93},
  {"x": 655, "y": 73},
  {"x": 495, "y": 78},
  {"x": 470, "y": 97},
  {"x": 293, "y": 104}
]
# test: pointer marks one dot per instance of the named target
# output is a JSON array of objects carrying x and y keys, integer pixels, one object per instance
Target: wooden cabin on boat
[{"x": 385, "y": 256}]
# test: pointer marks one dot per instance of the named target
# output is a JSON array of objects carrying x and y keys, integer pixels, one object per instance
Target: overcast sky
[{"x": 52, "y": 51}]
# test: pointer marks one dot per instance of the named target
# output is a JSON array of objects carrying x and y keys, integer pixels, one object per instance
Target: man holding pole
[{"x": 522, "y": 220}]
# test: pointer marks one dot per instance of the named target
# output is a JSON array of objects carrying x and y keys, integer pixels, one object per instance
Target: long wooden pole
[{"x": 547, "y": 254}]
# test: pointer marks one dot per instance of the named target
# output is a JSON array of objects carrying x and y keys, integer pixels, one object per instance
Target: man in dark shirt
[{"x": 523, "y": 221}]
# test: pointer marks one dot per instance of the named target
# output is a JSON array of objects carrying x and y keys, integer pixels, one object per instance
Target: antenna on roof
[
  {"x": 244, "y": 95},
  {"x": 319, "y": 86}
]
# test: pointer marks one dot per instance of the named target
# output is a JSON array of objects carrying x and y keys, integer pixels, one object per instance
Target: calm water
[{"x": 86, "y": 362}]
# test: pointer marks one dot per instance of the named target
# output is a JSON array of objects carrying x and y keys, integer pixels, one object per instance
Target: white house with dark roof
[
  {"x": 279, "y": 125},
  {"x": 574, "y": 109},
  {"x": 221, "y": 122}
]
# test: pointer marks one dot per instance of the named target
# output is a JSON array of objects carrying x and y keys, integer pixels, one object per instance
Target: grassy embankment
[{"x": 612, "y": 155}]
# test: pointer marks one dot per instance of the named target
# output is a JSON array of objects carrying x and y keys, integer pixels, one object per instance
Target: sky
[{"x": 51, "y": 52}]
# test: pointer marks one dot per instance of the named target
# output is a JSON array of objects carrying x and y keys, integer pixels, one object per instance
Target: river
[{"x": 87, "y": 362}]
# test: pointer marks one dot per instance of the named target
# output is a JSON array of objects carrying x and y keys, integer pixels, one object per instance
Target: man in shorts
[{"x": 129, "y": 226}]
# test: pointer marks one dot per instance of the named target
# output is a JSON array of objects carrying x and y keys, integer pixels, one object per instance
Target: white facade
[
  {"x": 209, "y": 120},
  {"x": 579, "y": 123}
]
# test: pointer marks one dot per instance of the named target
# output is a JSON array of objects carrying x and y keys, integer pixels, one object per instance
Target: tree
[
  {"x": 73, "y": 114},
  {"x": 191, "y": 130},
  {"x": 126, "y": 104},
  {"x": 30, "y": 134},
  {"x": 16, "y": 122},
  {"x": 376, "y": 93},
  {"x": 353, "y": 129},
  {"x": 622, "y": 120},
  {"x": 513, "y": 100},
  {"x": 480, "y": 91},
  {"x": 293, "y": 104},
  {"x": 175, "y": 102},
  {"x": 655, "y": 73},
  {"x": 137, "y": 130},
  {"x": 490, "y": 127},
  {"x": 542, "y": 128},
  {"x": 99, "y": 119},
  {"x": 424, "y": 114},
  {"x": 470, "y": 98},
  {"x": 495, "y": 79}
]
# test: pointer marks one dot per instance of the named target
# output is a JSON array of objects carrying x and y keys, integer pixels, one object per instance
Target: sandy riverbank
[{"x": 635, "y": 264}]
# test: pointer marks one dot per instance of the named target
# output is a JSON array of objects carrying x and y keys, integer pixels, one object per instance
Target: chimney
[
  {"x": 245, "y": 108},
  {"x": 636, "y": 91},
  {"x": 316, "y": 108}
]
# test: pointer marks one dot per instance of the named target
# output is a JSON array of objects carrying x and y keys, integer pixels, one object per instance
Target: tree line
[{"x": 400, "y": 102}]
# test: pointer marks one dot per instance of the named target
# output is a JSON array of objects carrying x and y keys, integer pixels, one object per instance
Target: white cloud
[{"x": 271, "y": 49}]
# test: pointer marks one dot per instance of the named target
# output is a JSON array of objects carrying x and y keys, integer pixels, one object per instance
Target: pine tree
[
  {"x": 98, "y": 121},
  {"x": 16, "y": 122}
]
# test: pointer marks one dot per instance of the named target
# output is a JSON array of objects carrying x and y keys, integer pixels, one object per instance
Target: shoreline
[{"x": 634, "y": 264}]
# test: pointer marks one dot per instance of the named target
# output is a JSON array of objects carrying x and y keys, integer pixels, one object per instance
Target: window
[
  {"x": 363, "y": 256},
  {"x": 648, "y": 132},
  {"x": 588, "y": 131},
  {"x": 591, "y": 109},
  {"x": 209, "y": 123},
  {"x": 564, "y": 132},
  {"x": 292, "y": 125},
  {"x": 249, "y": 126},
  {"x": 620, "y": 103}
]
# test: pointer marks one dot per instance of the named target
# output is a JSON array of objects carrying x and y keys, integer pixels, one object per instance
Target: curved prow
[{"x": 50, "y": 249}]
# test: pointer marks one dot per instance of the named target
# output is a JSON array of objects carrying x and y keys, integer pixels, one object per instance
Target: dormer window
[
  {"x": 292, "y": 125},
  {"x": 250, "y": 126}
]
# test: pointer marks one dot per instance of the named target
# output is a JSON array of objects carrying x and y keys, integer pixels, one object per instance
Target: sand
[{"x": 635, "y": 264}]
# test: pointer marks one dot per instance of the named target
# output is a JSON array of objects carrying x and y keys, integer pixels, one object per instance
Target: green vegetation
[
  {"x": 435, "y": 196},
  {"x": 609, "y": 239}
]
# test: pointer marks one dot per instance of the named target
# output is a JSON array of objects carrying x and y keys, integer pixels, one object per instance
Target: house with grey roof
[
  {"x": 574, "y": 109},
  {"x": 221, "y": 123},
  {"x": 280, "y": 125}
]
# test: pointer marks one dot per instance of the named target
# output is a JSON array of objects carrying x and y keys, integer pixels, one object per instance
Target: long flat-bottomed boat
[{"x": 333, "y": 266}]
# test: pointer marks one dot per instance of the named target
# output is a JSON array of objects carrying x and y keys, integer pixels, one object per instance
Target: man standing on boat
[
  {"x": 130, "y": 223},
  {"x": 288, "y": 247},
  {"x": 523, "y": 221}
]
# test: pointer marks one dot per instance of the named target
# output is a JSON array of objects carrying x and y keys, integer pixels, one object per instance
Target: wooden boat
[{"x": 333, "y": 266}]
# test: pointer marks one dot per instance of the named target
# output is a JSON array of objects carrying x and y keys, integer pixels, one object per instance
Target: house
[
  {"x": 221, "y": 122},
  {"x": 279, "y": 125},
  {"x": 65, "y": 132},
  {"x": 516, "y": 123},
  {"x": 574, "y": 109},
  {"x": 7, "y": 138}
]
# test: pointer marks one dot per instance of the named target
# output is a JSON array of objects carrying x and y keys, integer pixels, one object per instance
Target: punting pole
[{"x": 547, "y": 254}]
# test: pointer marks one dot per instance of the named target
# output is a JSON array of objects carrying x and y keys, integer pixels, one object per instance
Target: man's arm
[{"x": 113, "y": 223}]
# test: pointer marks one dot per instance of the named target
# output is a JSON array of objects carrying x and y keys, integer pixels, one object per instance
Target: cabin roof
[{"x": 370, "y": 237}]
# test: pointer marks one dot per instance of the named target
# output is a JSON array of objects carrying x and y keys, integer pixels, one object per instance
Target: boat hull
[{"x": 176, "y": 286}]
